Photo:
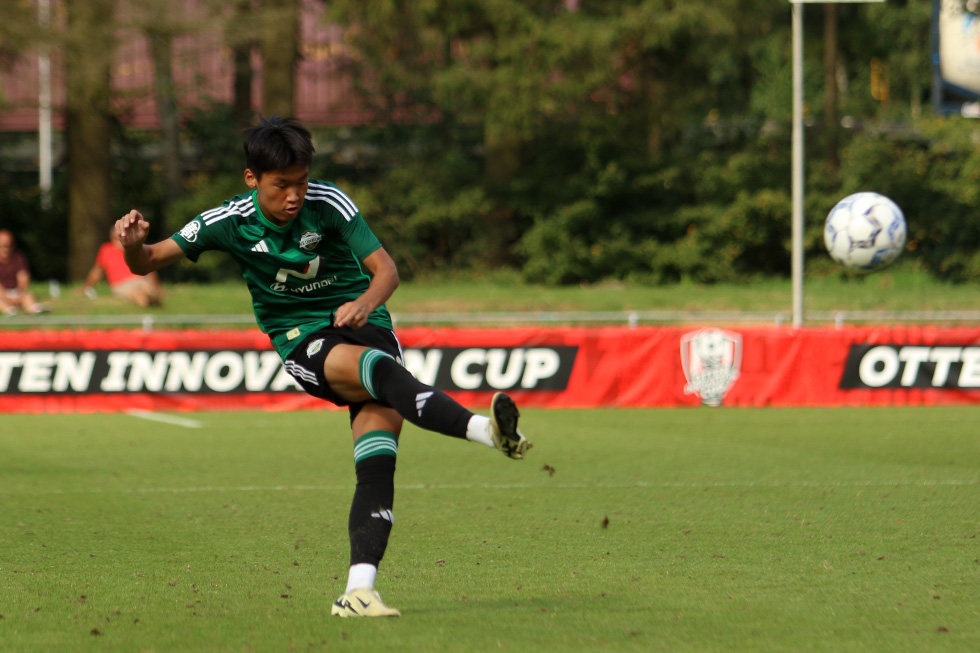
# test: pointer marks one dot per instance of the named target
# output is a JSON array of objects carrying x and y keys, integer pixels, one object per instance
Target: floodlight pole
[{"x": 798, "y": 171}]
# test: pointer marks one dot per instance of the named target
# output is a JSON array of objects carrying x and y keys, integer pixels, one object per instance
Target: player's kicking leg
[
  {"x": 503, "y": 427},
  {"x": 385, "y": 380}
]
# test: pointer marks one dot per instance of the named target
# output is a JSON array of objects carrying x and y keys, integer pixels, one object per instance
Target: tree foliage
[{"x": 581, "y": 140}]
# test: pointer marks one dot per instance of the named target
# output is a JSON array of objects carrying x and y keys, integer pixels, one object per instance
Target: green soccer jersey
[{"x": 298, "y": 274}]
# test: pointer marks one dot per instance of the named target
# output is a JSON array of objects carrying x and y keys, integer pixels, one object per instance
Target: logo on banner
[{"x": 712, "y": 360}]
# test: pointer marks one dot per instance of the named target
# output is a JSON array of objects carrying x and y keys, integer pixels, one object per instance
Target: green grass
[
  {"x": 851, "y": 529},
  {"x": 897, "y": 288}
]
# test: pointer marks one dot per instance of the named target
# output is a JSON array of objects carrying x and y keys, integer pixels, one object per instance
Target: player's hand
[
  {"x": 132, "y": 229},
  {"x": 352, "y": 314}
]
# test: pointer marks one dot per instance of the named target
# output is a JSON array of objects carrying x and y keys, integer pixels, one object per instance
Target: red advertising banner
[{"x": 97, "y": 371}]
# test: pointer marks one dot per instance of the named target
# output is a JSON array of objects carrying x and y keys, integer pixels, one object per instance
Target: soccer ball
[{"x": 865, "y": 231}]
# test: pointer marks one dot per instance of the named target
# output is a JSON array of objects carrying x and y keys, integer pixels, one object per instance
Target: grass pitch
[{"x": 847, "y": 529}]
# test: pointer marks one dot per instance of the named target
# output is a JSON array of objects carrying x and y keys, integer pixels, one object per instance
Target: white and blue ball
[{"x": 865, "y": 231}]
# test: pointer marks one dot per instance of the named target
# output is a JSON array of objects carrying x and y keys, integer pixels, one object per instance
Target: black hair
[{"x": 277, "y": 143}]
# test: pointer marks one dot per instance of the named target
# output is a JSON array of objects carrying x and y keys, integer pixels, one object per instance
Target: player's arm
[
  {"x": 141, "y": 258},
  {"x": 384, "y": 280}
]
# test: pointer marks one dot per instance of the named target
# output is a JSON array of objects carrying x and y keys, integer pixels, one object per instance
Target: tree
[
  {"x": 89, "y": 49},
  {"x": 240, "y": 34},
  {"x": 160, "y": 24},
  {"x": 280, "y": 52}
]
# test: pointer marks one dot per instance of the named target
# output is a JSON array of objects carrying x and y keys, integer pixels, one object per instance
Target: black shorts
[{"x": 305, "y": 363}]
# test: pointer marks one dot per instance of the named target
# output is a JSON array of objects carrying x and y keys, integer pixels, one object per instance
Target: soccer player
[{"x": 319, "y": 279}]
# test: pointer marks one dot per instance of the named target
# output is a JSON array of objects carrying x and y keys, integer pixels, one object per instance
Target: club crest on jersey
[
  {"x": 314, "y": 347},
  {"x": 189, "y": 232},
  {"x": 310, "y": 240},
  {"x": 712, "y": 361}
]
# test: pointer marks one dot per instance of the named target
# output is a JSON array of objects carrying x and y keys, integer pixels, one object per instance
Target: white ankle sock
[
  {"x": 478, "y": 430},
  {"x": 361, "y": 575}
]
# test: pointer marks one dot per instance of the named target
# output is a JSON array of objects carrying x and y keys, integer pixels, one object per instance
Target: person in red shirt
[
  {"x": 142, "y": 290},
  {"x": 14, "y": 279}
]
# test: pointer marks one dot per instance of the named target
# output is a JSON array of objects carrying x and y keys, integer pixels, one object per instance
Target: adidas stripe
[
  {"x": 375, "y": 443},
  {"x": 300, "y": 373},
  {"x": 334, "y": 197},
  {"x": 368, "y": 360}
]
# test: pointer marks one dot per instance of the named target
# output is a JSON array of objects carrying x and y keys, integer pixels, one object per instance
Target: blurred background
[{"x": 567, "y": 141}]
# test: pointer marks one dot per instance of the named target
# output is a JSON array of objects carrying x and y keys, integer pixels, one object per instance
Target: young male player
[{"x": 319, "y": 278}]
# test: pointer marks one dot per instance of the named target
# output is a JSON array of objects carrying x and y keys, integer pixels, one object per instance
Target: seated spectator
[
  {"x": 142, "y": 290},
  {"x": 15, "y": 278}
]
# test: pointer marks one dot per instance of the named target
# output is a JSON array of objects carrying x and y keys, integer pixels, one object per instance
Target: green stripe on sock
[
  {"x": 366, "y": 371},
  {"x": 375, "y": 443}
]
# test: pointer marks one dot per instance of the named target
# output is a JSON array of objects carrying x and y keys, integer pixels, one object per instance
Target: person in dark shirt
[{"x": 15, "y": 277}]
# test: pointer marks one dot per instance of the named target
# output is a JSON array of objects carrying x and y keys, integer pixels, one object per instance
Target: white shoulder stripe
[
  {"x": 343, "y": 197},
  {"x": 341, "y": 208},
  {"x": 243, "y": 207},
  {"x": 329, "y": 191},
  {"x": 335, "y": 197},
  {"x": 221, "y": 209}
]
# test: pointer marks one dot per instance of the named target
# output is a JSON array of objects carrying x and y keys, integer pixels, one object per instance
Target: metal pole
[
  {"x": 797, "y": 165},
  {"x": 44, "y": 109},
  {"x": 798, "y": 172}
]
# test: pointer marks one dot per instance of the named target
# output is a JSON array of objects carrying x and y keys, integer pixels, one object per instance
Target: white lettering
[
  {"x": 424, "y": 368},
  {"x": 186, "y": 371},
  {"x": 496, "y": 376},
  {"x": 887, "y": 358},
  {"x": 7, "y": 364},
  {"x": 943, "y": 357},
  {"x": 260, "y": 368},
  {"x": 460, "y": 370},
  {"x": 147, "y": 371},
  {"x": 73, "y": 371},
  {"x": 115, "y": 380},
  {"x": 913, "y": 357},
  {"x": 970, "y": 373},
  {"x": 541, "y": 364},
  {"x": 36, "y": 374},
  {"x": 217, "y": 378}
]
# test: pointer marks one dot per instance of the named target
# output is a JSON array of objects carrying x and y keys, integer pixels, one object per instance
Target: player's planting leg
[
  {"x": 369, "y": 526},
  {"x": 393, "y": 385}
]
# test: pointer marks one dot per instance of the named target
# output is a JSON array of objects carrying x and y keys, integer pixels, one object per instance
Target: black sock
[
  {"x": 371, "y": 516},
  {"x": 420, "y": 404}
]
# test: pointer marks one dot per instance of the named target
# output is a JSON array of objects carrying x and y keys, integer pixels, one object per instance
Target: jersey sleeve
[
  {"x": 359, "y": 237},
  {"x": 197, "y": 237}
]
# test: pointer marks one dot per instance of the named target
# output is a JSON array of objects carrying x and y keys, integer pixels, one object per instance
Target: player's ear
[{"x": 251, "y": 180}]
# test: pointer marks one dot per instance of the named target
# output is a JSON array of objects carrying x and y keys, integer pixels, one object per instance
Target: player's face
[{"x": 281, "y": 192}]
